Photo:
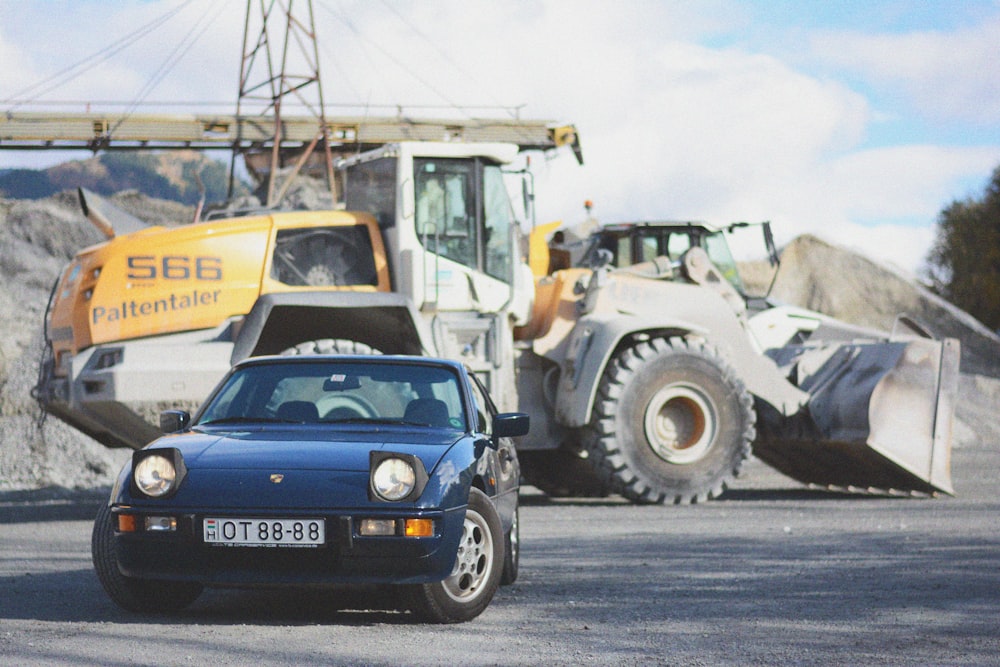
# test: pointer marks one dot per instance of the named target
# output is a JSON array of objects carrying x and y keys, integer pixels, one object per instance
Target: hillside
[
  {"x": 182, "y": 176},
  {"x": 38, "y": 237}
]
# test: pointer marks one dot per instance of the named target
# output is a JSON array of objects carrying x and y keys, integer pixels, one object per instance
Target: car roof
[{"x": 368, "y": 359}]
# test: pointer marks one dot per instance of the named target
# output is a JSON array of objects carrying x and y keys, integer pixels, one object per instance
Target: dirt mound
[
  {"x": 845, "y": 285},
  {"x": 37, "y": 239}
]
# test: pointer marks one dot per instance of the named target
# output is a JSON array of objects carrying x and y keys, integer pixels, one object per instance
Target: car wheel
[
  {"x": 511, "y": 553},
  {"x": 140, "y": 595},
  {"x": 470, "y": 587}
]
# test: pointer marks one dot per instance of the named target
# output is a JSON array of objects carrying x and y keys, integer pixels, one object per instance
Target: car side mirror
[
  {"x": 510, "y": 424},
  {"x": 174, "y": 421}
]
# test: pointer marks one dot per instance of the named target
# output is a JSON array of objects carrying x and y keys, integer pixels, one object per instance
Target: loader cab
[
  {"x": 633, "y": 243},
  {"x": 447, "y": 221}
]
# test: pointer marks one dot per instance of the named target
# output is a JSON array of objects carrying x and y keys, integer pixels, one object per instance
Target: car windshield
[{"x": 339, "y": 392}]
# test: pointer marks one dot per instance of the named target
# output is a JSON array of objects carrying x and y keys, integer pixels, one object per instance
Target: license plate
[{"x": 265, "y": 532}]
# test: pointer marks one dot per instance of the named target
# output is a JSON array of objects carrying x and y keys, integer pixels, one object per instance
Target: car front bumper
[{"x": 347, "y": 557}]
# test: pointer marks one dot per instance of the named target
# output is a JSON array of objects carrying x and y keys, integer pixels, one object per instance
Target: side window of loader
[
  {"x": 445, "y": 216},
  {"x": 371, "y": 186},
  {"x": 624, "y": 252},
  {"x": 497, "y": 228},
  {"x": 324, "y": 256},
  {"x": 678, "y": 245},
  {"x": 718, "y": 251},
  {"x": 651, "y": 246}
]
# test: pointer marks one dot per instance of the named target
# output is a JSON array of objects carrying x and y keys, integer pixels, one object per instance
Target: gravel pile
[{"x": 37, "y": 238}]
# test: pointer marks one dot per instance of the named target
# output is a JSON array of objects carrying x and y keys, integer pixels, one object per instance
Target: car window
[
  {"x": 484, "y": 407},
  {"x": 340, "y": 392}
]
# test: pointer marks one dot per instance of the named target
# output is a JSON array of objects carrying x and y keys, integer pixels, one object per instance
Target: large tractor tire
[
  {"x": 671, "y": 423},
  {"x": 331, "y": 346},
  {"x": 563, "y": 473}
]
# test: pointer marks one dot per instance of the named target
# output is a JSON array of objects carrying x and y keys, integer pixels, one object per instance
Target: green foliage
[
  {"x": 141, "y": 171},
  {"x": 126, "y": 171},
  {"x": 963, "y": 266},
  {"x": 25, "y": 184},
  {"x": 138, "y": 171},
  {"x": 214, "y": 178}
]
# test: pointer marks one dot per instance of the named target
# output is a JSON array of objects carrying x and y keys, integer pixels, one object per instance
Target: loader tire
[
  {"x": 671, "y": 423},
  {"x": 331, "y": 346},
  {"x": 563, "y": 473}
]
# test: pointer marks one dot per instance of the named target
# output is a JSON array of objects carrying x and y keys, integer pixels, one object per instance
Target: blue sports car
[{"x": 322, "y": 471}]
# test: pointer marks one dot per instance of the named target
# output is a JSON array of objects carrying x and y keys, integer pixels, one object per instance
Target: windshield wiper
[
  {"x": 242, "y": 420},
  {"x": 373, "y": 420}
]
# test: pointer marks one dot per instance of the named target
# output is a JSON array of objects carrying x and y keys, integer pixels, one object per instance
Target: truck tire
[
  {"x": 671, "y": 423},
  {"x": 470, "y": 587},
  {"x": 563, "y": 473},
  {"x": 331, "y": 346},
  {"x": 139, "y": 595}
]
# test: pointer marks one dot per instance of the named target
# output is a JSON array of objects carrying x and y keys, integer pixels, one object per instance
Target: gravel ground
[{"x": 772, "y": 574}]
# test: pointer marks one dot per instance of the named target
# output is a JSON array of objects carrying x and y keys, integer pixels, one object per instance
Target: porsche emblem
[{"x": 276, "y": 478}]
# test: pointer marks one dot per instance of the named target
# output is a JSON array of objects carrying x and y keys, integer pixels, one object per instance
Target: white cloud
[
  {"x": 672, "y": 127},
  {"x": 949, "y": 75}
]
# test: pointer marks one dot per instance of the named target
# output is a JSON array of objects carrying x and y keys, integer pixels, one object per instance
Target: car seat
[
  {"x": 298, "y": 411},
  {"x": 430, "y": 411}
]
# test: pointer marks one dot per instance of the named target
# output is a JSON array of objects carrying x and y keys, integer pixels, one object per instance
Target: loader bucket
[{"x": 879, "y": 416}]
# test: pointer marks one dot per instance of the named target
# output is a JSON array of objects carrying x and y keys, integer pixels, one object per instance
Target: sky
[{"x": 854, "y": 121}]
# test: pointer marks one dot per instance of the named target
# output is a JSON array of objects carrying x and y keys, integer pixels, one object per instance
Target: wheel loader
[
  {"x": 649, "y": 379},
  {"x": 670, "y": 375}
]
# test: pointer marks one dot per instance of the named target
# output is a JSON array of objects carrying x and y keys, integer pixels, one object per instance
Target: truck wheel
[
  {"x": 563, "y": 473},
  {"x": 139, "y": 595},
  {"x": 331, "y": 346},
  {"x": 671, "y": 422},
  {"x": 470, "y": 587}
]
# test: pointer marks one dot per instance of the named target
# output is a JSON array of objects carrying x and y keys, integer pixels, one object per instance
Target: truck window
[
  {"x": 678, "y": 245},
  {"x": 718, "y": 251},
  {"x": 324, "y": 257},
  {"x": 371, "y": 187},
  {"x": 497, "y": 228},
  {"x": 445, "y": 216}
]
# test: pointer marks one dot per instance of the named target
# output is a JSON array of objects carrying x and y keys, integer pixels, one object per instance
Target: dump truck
[{"x": 645, "y": 379}]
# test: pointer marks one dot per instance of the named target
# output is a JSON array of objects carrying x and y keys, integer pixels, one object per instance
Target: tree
[{"x": 963, "y": 265}]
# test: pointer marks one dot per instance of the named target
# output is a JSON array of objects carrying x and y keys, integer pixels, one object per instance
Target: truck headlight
[{"x": 157, "y": 473}]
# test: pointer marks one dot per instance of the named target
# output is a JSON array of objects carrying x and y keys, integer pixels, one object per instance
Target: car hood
[{"x": 300, "y": 449}]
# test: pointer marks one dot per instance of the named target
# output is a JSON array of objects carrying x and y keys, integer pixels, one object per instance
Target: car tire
[
  {"x": 139, "y": 595},
  {"x": 672, "y": 422},
  {"x": 470, "y": 587},
  {"x": 511, "y": 552}
]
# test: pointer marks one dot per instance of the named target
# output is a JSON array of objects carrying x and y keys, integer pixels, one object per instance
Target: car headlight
[
  {"x": 394, "y": 479},
  {"x": 155, "y": 475}
]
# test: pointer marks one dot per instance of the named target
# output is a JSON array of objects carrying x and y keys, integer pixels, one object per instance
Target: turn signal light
[
  {"x": 127, "y": 523},
  {"x": 419, "y": 528}
]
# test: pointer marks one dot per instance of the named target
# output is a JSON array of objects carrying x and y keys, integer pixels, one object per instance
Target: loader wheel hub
[{"x": 680, "y": 424}]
